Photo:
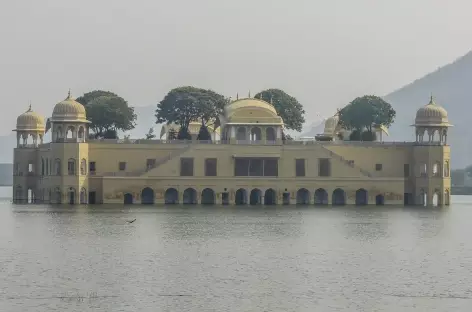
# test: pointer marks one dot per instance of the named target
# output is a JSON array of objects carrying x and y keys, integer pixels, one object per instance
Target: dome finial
[
  {"x": 237, "y": 96},
  {"x": 431, "y": 99},
  {"x": 68, "y": 94},
  {"x": 29, "y": 107},
  {"x": 249, "y": 94}
]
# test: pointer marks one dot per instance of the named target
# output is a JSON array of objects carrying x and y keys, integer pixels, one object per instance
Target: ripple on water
[{"x": 230, "y": 259}]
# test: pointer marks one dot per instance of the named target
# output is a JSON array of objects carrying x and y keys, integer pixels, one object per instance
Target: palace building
[{"x": 246, "y": 163}]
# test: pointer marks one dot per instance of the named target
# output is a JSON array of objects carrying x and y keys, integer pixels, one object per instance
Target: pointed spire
[
  {"x": 237, "y": 96},
  {"x": 249, "y": 94}
]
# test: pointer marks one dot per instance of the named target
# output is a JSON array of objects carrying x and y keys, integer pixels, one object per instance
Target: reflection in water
[{"x": 244, "y": 258}]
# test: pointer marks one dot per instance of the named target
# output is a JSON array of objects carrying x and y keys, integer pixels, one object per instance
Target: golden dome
[
  {"x": 331, "y": 124},
  {"x": 431, "y": 115},
  {"x": 69, "y": 110},
  {"x": 249, "y": 103},
  {"x": 30, "y": 121}
]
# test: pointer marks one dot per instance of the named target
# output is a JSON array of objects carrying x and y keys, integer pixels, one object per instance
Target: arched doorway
[
  {"x": 436, "y": 198},
  {"x": 303, "y": 197},
  {"x": 18, "y": 194},
  {"x": 208, "y": 197},
  {"x": 256, "y": 197},
  {"x": 423, "y": 198},
  {"x": 286, "y": 198},
  {"x": 361, "y": 197},
  {"x": 321, "y": 197},
  {"x": 147, "y": 196},
  {"x": 58, "y": 196},
  {"x": 270, "y": 197},
  {"x": 83, "y": 196},
  {"x": 380, "y": 200},
  {"x": 128, "y": 199},
  {"x": 339, "y": 197},
  {"x": 71, "y": 196},
  {"x": 190, "y": 196},
  {"x": 446, "y": 198},
  {"x": 171, "y": 196},
  {"x": 241, "y": 197}
]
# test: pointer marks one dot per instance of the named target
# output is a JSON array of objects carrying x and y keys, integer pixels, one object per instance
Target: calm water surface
[{"x": 235, "y": 259}]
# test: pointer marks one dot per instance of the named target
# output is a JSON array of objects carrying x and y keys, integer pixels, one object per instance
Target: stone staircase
[
  {"x": 347, "y": 162},
  {"x": 165, "y": 159}
]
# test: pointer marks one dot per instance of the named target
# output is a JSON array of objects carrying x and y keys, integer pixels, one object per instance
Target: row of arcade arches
[{"x": 255, "y": 197}]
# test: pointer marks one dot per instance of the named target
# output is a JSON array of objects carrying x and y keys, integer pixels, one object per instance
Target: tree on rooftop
[
  {"x": 108, "y": 113},
  {"x": 363, "y": 114},
  {"x": 287, "y": 107},
  {"x": 183, "y": 105}
]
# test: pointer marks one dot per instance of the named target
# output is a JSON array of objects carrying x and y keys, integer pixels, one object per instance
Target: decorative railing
[{"x": 266, "y": 142}]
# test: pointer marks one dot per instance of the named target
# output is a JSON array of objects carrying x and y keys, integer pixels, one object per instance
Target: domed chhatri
[
  {"x": 30, "y": 121},
  {"x": 69, "y": 110},
  {"x": 331, "y": 124},
  {"x": 432, "y": 115}
]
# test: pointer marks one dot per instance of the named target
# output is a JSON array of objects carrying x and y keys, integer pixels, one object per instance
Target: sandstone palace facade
[{"x": 246, "y": 163}]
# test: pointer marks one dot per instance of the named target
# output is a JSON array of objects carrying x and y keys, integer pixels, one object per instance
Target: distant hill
[
  {"x": 450, "y": 86},
  {"x": 6, "y": 174},
  {"x": 8, "y": 143}
]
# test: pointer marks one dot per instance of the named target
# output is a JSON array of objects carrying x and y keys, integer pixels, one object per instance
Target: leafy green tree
[
  {"x": 363, "y": 113},
  {"x": 184, "y": 134},
  {"x": 89, "y": 96},
  {"x": 204, "y": 134},
  {"x": 109, "y": 114},
  {"x": 150, "y": 135},
  {"x": 287, "y": 107},
  {"x": 186, "y": 104}
]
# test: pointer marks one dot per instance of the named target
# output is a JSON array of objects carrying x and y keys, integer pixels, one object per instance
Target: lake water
[{"x": 235, "y": 259}]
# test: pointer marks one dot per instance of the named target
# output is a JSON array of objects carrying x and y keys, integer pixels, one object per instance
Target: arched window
[
  {"x": 81, "y": 134},
  {"x": 241, "y": 134},
  {"x": 71, "y": 166},
  {"x": 423, "y": 170},
  {"x": 436, "y": 169},
  {"x": 270, "y": 134},
  {"x": 57, "y": 166},
  {"x": 70, "y": 133},
  {"x": 58, "y": 135},
  {"x": 83, "y": 167},
  {"x": 446, "y": 168},
  {"x": 256, "y": 134}
]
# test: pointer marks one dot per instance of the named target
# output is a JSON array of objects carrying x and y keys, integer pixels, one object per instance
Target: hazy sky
[{"x": 324, "y": 52}]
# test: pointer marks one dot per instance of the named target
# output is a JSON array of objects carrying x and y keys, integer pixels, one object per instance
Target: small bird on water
[{"x": 131, "y": 221}]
